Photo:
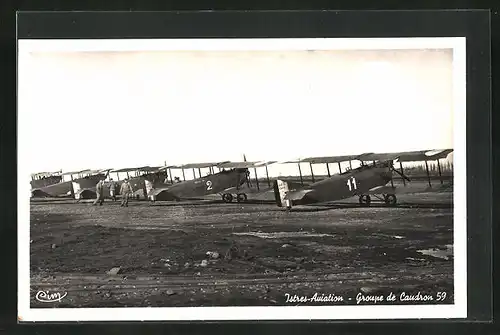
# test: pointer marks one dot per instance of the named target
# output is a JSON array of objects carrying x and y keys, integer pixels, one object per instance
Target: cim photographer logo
[{"x": 46, "y": 296}]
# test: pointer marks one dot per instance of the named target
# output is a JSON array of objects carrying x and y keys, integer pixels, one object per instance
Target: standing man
[
  {"x": 99, "y": 189},
  {"x": 112, "y": 189},
  {"x": 126, "y": 191}
]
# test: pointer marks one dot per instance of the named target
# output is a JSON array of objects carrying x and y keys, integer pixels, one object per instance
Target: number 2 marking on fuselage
[
  {"x": 351, "y": 183},
  {"x": 209, "y": 185}
]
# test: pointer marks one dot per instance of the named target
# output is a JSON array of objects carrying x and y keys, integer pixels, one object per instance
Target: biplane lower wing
[
  {"x": 296, "y": 195},
  {"x": 86, "y": 193},
  {"x": 382, "y": 190},
  {"x": 161, "y": 194},
  {"x": 409, "y": 190},
  {"x": 38, "y": 193},
  {"x": 247, "y": 190},
  {"x": 53, "y": 191}
]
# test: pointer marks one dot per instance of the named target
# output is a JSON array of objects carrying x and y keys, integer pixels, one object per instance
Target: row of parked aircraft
[{"x": 373, "y": 178}]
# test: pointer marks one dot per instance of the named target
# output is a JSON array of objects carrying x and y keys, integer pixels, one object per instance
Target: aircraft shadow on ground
[
  {"x": 329, "y": 207},
  {"x": 211, "y": 202},
  {"x": 303, "y": 208}
]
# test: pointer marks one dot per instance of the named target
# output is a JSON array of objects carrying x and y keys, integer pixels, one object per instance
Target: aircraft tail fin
[
  {"x": 148, "y": 187},
  {"x": 280, "y": 190}
]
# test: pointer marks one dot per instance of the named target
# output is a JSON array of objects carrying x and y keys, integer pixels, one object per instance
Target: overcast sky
[{"x": 122, "y": 109}]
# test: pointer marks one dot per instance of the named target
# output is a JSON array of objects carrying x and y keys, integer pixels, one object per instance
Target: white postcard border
[{"x": 457, "y": 310}]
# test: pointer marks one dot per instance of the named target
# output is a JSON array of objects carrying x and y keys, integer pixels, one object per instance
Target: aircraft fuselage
[
  {"x": 211, "y": 184},
  {"x": 342, "y": 186},
  {"x": 67, "y": 188}
]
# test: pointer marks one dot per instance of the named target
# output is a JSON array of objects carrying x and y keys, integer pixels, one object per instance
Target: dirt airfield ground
[{"x": 213, "y": 254}]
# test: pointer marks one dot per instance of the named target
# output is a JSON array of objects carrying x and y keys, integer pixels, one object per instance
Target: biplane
[
  {"x": 42, "y": 179},
  {"x": 228, "y": 181},
  {"x": 80, "y": 183},
  {"x": 84, "y": 187},
  {"x": 369, "y": 179},
  {"x": 137, "y": 177}
]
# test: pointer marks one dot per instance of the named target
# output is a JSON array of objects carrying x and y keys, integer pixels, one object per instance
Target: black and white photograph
[{"x": 242, "y": 179}]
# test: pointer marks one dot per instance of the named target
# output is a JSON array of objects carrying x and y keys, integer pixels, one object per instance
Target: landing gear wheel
[
  {"x": 241, "y": 197},
  {"x": 227, "y": 197},
  {"x": 390, "y": 199},
  {"x": 365, "y": 200}
]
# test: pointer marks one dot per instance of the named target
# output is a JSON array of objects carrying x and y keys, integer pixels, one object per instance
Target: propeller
[
  {"x": 391, "y": 166},
  {"x": 247, "y": 173}
]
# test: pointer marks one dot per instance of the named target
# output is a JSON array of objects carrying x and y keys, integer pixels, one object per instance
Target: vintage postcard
[{"x": 242, "y": 179}]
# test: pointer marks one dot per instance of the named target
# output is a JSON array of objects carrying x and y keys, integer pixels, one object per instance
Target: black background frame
[{"x": 474, "y": 25}]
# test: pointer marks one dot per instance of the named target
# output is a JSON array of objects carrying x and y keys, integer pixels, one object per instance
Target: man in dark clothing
[
  {"x": 99, "y": 189},
  {"x": 112, "y": 189},
  {"x": 126, "y": 191}
]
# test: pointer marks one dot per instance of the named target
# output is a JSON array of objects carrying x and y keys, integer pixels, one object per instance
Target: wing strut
[
  {"x": 392, "y": 177},
  {"x": 350, "y": 165},
  {"x": 183, "y": 175},
  {"x": 428, "y": 176},
  {"x": 340, "y": 168},
  {"x": 300, "y": 173},
  {"x": 312, "y": 172},
  {"x": 256, "y": 178},
  {"x": 199, "y": 172},
  {"x": 401, "y": 168},
  {"x": 439, "y": 170},
  {"x": 328, "y": 170},
  {"x": 169, "y": 172},
  {"x": 267, "y": 177}
]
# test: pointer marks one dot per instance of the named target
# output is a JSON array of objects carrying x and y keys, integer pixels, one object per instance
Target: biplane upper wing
[
  {"x": 293, "y": 161},
  {"x": 149, "y": 169},
  {"x": 426, "y": 155},
  {"x": 99, "y": 171},
  {"x": 124, "y": 170},
  {"x": 200, "y": 165},
  {"x": 170, "y": 167},
  {"x": 388, "y": 156},
  {"x": 72, "y": 173},
  {"x": 406, "y": 156},
  {"x": 321, "y": 159},
  {"x": 329, "y": 159},
  {"x": 86, "y": 171},
  {"x": 139, "y": 168},
  {"x": 265, "y": 163},
  {"x": 190, "y": 166},
  {"x": 238, "y": 165},
  {"x": 45, "y": 174}
]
